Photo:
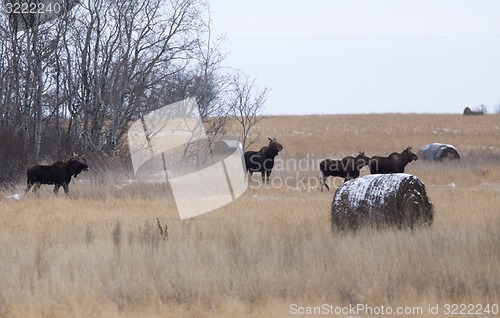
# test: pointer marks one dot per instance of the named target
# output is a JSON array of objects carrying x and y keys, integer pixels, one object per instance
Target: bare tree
[
  {"x": 29, "y": 43},
  {"x": 211, "y": 84},
  {"x": 483, "y": 108},
  {"x": 74, "y": 81},
  {"x": 123, "y": 52},
  {"x": 246, "y": 102},
  {"x": 205, "y": 79}
]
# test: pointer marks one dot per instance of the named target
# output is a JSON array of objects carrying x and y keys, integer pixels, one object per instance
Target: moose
[
  {"x": 263, "y": 160},
  {"x": 59, "y": 174},
  {"x": 394, "y": 163},
  {"x": 347, "y": 168}
]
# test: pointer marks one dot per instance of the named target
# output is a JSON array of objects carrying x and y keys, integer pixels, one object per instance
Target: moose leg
[
  {"x": 323, "y": 183},
  {"x": 28, "y": 187},
  {"x": 268, "y": 175},
  {"x": 265, "y": 176},
  {"x": 36, "y": 187},
  {"x": 56, "y": 188},
  {"x": 65, "y": 187}
]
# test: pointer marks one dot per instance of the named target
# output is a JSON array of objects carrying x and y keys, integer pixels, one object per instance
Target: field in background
[{"x": 99, "y": 251}]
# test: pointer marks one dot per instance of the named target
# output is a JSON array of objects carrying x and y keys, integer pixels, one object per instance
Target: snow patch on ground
[{"x": 15, "y": 196}]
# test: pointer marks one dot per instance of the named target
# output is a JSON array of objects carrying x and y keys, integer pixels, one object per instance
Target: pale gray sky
[{"x": 366, "y": 56}]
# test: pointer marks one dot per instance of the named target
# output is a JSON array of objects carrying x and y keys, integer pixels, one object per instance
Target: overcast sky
[{"x": 366, "y": 56}]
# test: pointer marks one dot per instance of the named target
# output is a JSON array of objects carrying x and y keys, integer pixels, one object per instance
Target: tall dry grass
[
  {"x": 340, "y": 135},
  {"x": 100, "y": 252}
]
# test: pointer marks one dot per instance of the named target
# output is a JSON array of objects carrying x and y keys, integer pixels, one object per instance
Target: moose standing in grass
[
  {"x": 347, "y": 168},
  {"x": 263, "y": 160},
  {"x": 394, "y": 163},
  {"x": 59, "y": 174}
]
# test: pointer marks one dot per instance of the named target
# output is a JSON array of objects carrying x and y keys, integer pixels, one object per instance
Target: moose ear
[{"x": 269, "y": 138}]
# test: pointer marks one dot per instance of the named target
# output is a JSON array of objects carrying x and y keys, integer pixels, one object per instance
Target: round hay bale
[
  {"x": 377, "y": 200},
  {"x": 438, "y": 152},
  {"x": 469, "y": 112}
]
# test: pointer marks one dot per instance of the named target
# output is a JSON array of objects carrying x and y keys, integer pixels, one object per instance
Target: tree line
[{"x": 74, "y": 82}]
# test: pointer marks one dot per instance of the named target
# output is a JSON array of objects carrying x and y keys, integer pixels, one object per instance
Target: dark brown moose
[
  {"x": 394, "y": 163},
  {"x": 263, "y": 160},
  {"x": 59, "y": 174},
  {"x": 347, "y": 168}
]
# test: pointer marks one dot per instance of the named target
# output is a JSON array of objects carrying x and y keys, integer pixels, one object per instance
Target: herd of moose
[
  {"x": 348, "y": 168},
  {"x": 60, "y": 173}
]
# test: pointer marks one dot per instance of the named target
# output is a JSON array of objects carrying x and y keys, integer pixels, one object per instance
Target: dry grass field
[{"x": 99, "y": 252}]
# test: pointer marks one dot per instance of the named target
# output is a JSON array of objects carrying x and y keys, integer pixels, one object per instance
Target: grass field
[{"x": 99, "y": 252}]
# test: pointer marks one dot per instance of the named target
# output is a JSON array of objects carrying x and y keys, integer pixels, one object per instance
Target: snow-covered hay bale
[
  {"x": 381, "y": 199},
  {"x": 438, "y": 152},
  {"x": 469, "y": 112}
]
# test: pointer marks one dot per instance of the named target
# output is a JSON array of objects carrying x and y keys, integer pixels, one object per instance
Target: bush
[{"x": 11, "y": 157}]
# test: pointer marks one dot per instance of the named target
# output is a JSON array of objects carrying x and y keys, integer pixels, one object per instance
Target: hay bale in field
[
  {"x": 438, "y": 152},
  {"x": 396, "y": 199},
  {"x": 469, "y": 112}
]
